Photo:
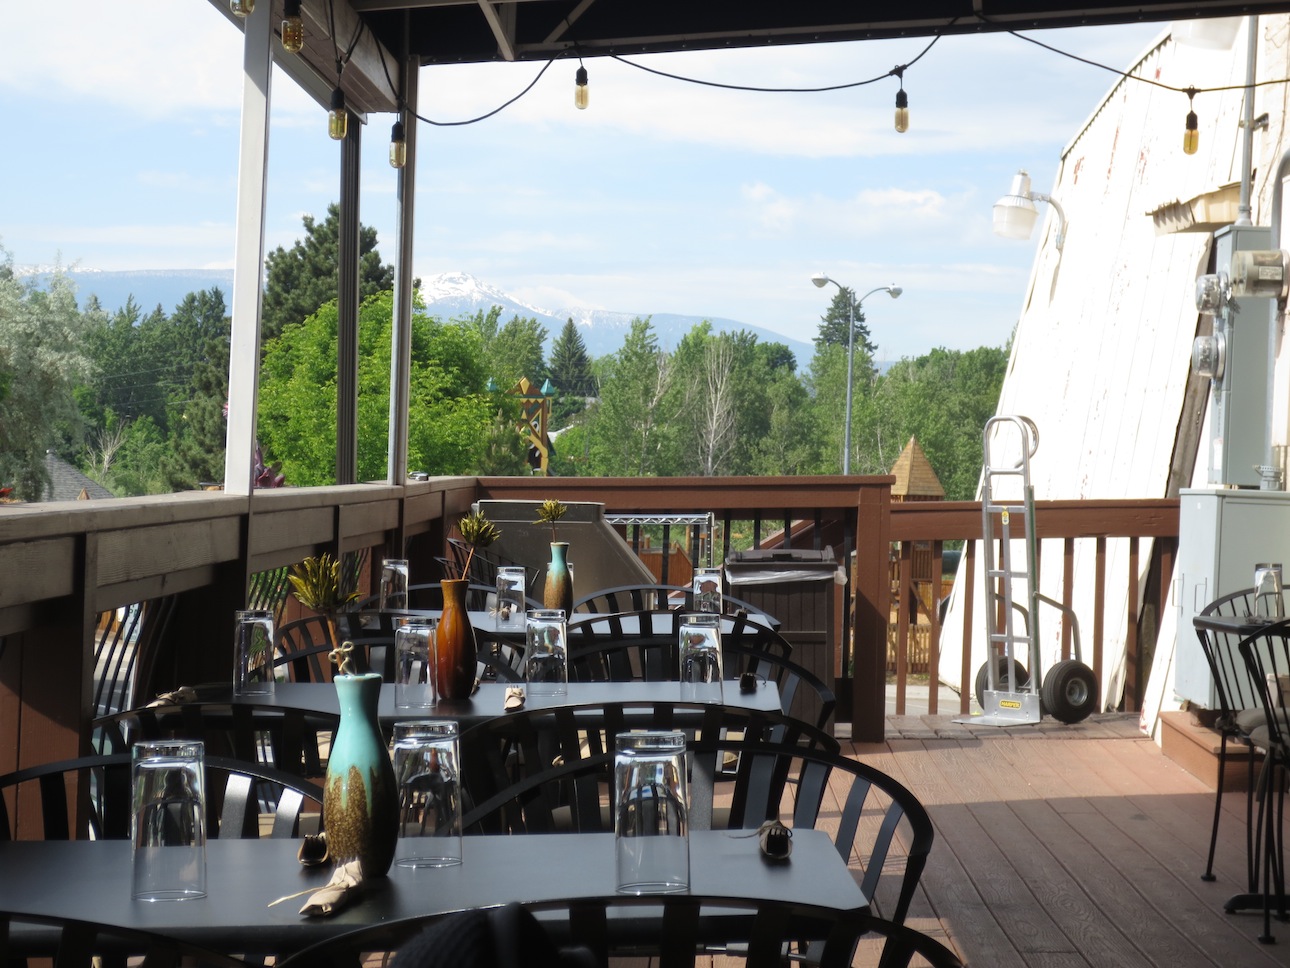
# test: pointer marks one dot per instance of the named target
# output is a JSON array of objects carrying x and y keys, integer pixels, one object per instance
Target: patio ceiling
[{"x": 471, "y": 31}]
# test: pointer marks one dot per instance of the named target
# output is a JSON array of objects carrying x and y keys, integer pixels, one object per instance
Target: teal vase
[
  {"x": 360, "y": 800},
  {"x": 558, "y": 591}
]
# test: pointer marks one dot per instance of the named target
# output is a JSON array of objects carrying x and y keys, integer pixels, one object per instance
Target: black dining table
[
  {"x": 487, "y": 702},
  {"x": 91, "y": 880}
]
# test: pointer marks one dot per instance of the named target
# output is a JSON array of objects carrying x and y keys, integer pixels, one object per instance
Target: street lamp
[
  {"x": 820, "y": 279},
  {"x": 1015, "y": 213}
]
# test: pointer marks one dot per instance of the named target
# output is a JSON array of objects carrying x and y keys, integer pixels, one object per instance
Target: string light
[
  {"x": 337, "y": 117},
  {"x": 293, "y": 28},
  {"x": 902, "y": 103},
  {"x": 580, "y": 94},
  {"x": 398, "y": 146},
  {"x": 242, "y": 8},
  {"x": 1191, "y": 133}
]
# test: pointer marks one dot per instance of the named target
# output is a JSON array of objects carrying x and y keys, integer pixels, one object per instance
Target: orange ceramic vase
[{"x": 454, "y": 637}]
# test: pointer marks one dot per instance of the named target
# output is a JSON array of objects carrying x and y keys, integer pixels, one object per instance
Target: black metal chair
[
  {"x": 549, "y": 744},
  {"x": 1266, "y": 655},
  {"x": 97, "y": 788},
  {"x": 635, "y": 598},
  {"x": 1239, "y": 712},
  {"x": 88, "y": 944}
]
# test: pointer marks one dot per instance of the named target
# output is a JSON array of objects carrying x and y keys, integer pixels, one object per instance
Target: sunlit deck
[{"x": 1068, "y": 846}]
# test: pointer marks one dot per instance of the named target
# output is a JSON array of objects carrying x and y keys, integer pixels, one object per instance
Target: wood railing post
[{"x": 872, "y": 607}]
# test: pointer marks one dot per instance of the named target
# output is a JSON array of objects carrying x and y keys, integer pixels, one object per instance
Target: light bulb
[
  {"x": 242, "y": 8},
  {"x": 1191, "y": 135},
  {"x": 902, "y": 111},
  {"x": 580, "y": 94},
  {"x": 293, "y": 28},
  {"x": 337, "y": 117},
  {"x": 398, "y": 146}
]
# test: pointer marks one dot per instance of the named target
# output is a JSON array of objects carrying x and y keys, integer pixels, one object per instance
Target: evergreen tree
[
  {"x": 833, "y": 324},
  {"x": 299, "y": 280},
  {"x": 41, "y": 363},
  {"x": 571, "y": 374}
]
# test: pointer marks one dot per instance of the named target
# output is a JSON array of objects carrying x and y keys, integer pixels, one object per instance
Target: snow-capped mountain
[
  {"x": 449, "y": 295},
  {"x": 453, "y": 294}
]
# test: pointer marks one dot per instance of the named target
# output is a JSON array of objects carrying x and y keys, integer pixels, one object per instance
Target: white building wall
[{"x": 1102, "y": 351}]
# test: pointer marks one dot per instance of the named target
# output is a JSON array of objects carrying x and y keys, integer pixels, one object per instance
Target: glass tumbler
[
  {"x": 1268, "y": 602},
  {"x": 707, "y": 590},
  {"x": 253, "y": 669},
  {"x": 394, "y": 584},
  {"x": 546, "y": 655},
  {"x": 509, "y": 605},
  {"x": 427, "y": 770},
  {"x": 651, "y": 813},
  {"x": 168, "y": 822},
  {"x": 700, "y": 658},
  {"x": 414, "y": 667}
]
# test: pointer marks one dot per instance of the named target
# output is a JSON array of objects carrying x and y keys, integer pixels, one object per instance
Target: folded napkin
[
  {"x": 182, "y": 694},
  {"x": 346, "y": 884}
]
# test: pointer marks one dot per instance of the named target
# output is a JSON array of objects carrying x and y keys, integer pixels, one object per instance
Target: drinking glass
[
  {"x": 700, "y": 657},
  {"x": 1268, "y": 602},
  {"x": 414, "y": 667},
  {"x": 651, "y": 813},
  {"x": 707, "y": 590},
  {"x": 546, "y": 656},
  {"x": 168, "y": 822},
  {"x": 427, "y": 770},
  {"x": 253, "y": 669},
  {"x": 394, "y": 584},
  {"x": 509, "y": 606}
]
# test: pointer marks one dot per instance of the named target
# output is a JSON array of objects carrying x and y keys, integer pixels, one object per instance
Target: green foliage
[
  {"x": 571, "y": 374},
  {"x": 41, "y": 363},
  {"x": 448, "y": 415},
  {"x": 833, "y": 324},
  {"x": 301, "y": 279},
  {"x": 631, "y": 427}
]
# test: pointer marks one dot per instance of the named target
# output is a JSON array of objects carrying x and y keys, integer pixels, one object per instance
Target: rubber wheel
[
  {"x": 1069, "y": 692},
  {"x": 1006, "y": 678}
]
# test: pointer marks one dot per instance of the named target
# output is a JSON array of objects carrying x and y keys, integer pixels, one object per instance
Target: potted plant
[
  {"x": 318, "y": 585},
  {"x": 558, "y": 591}
]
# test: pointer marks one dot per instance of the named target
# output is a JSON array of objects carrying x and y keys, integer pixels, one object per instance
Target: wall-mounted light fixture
[{"x": 1015, "y": 213}]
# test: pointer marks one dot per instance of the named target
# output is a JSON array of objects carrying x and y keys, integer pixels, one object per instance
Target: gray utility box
[{"x": 798, "y": 587}]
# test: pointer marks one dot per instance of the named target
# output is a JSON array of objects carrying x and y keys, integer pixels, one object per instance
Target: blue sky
[{"x": 661, "y": 197}]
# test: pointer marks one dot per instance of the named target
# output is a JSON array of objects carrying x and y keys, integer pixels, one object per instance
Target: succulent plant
[
  {"x": 478, "y": 532},
  {"x": 316, "y": 582},
  {"x": 550, "y": 512}
]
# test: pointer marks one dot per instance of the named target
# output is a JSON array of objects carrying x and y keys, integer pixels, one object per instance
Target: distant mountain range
[{"x": 448, "y": 295}]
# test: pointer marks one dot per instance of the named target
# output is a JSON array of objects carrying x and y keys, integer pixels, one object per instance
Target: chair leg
[{"x": 1218, "y": 806}]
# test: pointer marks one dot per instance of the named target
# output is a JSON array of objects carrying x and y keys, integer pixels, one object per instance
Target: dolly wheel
[
  {"x": 1069, "y": 693},
  {"x": 1007, "y": 678}
]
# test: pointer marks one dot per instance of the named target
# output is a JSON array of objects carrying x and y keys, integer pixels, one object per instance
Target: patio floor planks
[{"x": 1071, "y": 847}]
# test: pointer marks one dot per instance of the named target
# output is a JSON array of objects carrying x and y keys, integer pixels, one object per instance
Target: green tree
[
  {"x": 301, "y": 279},
  {"x": 570, "y": 369},
  {"x": 517, "y": 352},
  {"x": 833, "y": 324},
  {"x": 199, "y": 333},
  {"x": 631, "y": 427},
  {"x": 41, "y": 363},
  {"x": 449, "y": 418}
]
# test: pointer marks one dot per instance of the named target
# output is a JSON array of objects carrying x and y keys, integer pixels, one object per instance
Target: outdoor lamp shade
[{"x": 1015, "y": 213}]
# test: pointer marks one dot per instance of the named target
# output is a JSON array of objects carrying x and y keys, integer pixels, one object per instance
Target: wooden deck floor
[{"x": 1071, "y": 847}]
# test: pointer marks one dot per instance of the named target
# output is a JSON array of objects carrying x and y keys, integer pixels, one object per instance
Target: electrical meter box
[{"x": 1239, "y": 393}]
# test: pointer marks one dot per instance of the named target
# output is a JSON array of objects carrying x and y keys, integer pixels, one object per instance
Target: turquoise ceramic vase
[
  {"x": 360, "y": 800},
  {"x": 558, "y": 591}
]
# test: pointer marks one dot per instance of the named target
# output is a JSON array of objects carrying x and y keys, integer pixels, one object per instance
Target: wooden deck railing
[{"x": 66, "y": 564}]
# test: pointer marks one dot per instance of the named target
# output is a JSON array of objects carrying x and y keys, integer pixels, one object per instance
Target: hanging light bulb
[
  {"x": 293, "y": 28},
  {"x": 337, "y": 117},
  {"x": 580, "y": 94},
  {"x": 242, "y": 8},
  {"x": 1191, "y": 133},
  {"x": 398, "y": 146},
  {"x": 902, "y": 110}
]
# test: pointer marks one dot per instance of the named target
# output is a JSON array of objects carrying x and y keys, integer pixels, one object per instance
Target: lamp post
[{"x": 820, "y": 279}]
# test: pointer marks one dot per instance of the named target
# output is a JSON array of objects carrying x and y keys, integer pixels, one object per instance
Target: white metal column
[
  {"x": 248, "y": 266},
  {"x": 401, "y": 333}
]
